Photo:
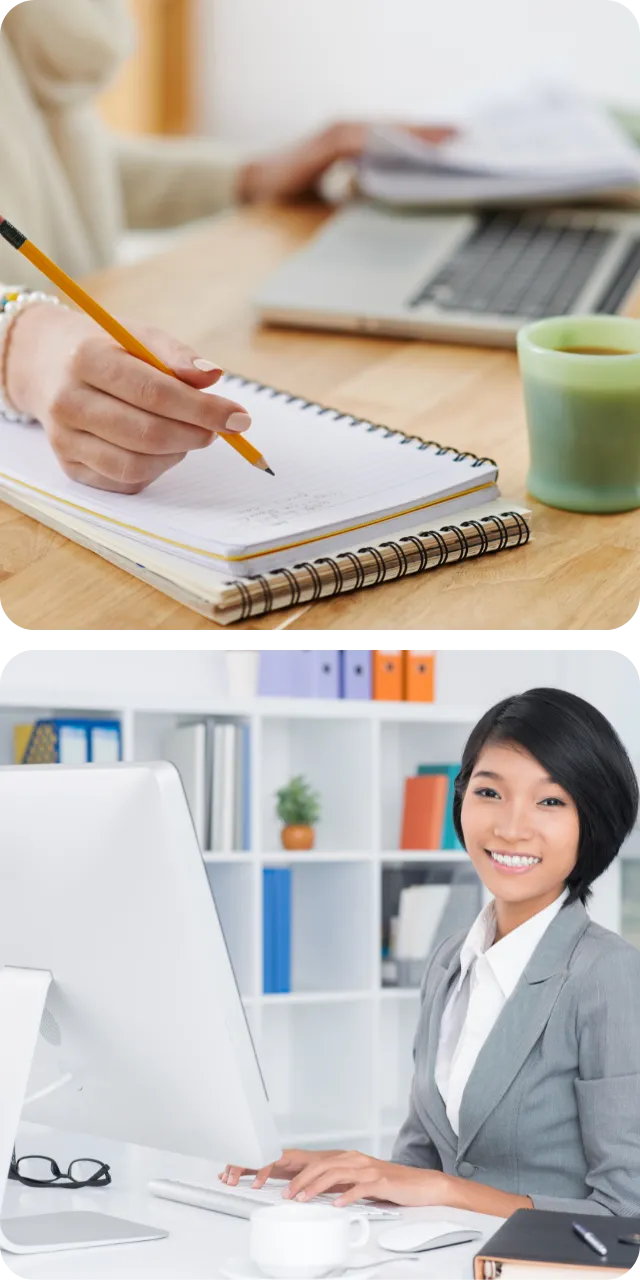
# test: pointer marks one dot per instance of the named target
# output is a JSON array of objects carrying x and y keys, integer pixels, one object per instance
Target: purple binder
[
  {"x": 355, "y": 676},
  {"x": 319, "y": 673},
  {"x": 278, "y": 675}
]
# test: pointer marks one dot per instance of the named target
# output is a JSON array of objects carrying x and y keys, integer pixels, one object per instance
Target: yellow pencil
[{"x": 112, "y": 327}]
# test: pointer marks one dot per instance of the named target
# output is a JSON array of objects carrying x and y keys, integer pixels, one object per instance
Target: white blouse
[{"x": 489, "y": 973}]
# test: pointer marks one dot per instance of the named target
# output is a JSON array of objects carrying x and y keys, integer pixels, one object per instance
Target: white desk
[{"x": 199, "y": 1242}]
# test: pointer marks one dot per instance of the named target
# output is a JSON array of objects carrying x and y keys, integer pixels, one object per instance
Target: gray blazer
[{"x": 552, "y": 1106}]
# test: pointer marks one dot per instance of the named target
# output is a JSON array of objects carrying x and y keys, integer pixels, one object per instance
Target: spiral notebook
[{"x": 352, "y": 504}]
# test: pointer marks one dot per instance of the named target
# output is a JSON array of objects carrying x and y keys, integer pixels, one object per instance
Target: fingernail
[
  {"x": 286, "y": 1193},
  {"x": 207, "y": 366},
  {"x": 237, "y": 422},
  {"x": 302, "y": 1195}
]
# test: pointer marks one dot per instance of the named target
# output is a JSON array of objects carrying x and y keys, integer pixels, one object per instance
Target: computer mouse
[{"x": 416, "y": 1236}]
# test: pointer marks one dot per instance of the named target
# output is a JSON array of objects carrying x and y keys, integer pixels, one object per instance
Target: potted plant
[{"x": 299, "y": 809}]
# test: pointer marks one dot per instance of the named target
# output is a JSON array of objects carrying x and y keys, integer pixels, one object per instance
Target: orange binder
[
  {"x": 388, "y": 674},
  {"x": 425, "y": 799},
  {"x": 419, "y": 675}
]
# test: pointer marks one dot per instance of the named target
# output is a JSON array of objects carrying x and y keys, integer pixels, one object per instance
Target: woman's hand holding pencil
[
  {"x": 145, "y": 423},
  {"x": 114, "y": 421}
]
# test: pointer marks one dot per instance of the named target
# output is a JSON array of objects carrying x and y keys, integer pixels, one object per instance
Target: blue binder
[
  {"x": 355, "y": 673},
  {"x": 74, "y": 741},
  {"x": 283, "y": 933},
  {"x": 268, "y": 932},
  {"x": 276, "y": 930},
  {"x": 319, "y": 673},
  {"x": 278, "y": 673}
]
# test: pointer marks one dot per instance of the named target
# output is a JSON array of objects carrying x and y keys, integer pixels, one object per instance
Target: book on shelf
[
  {"x": 68, "y": 741},
  {"x": 420, "y": 911},
  {"x": 213, "y": 758},
  {"x": 276, "y": 914},
  {"x": 423, "y": 814},
  {"x": 449, "y": 835},
  {"x": 186, "y": 748}
]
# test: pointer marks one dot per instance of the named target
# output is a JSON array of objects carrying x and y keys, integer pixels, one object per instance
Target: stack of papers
[{"x": 545, "y": 143}]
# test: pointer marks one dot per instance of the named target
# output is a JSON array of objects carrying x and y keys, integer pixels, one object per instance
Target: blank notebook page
[{"x": 330, "y": 474}]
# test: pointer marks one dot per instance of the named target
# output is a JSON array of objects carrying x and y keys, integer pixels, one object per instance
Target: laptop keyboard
[{"x": 520, "y": 265}]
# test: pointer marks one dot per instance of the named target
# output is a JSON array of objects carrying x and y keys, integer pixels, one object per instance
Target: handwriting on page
[{"x": 297, "y": 504}]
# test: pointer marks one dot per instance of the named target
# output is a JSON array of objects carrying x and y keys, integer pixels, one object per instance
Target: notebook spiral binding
[{"x": 369, "y": 566}]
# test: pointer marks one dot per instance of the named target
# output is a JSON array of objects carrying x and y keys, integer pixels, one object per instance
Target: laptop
[{"x": 471, "y": 277}]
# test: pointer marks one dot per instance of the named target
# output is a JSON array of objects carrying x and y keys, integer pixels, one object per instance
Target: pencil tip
[{"x": 270, "y": 472}]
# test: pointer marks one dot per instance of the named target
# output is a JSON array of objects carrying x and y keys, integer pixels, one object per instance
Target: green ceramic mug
[{"x": 581, "y": 379}]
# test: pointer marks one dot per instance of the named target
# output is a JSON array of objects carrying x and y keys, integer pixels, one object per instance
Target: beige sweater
[{"x": 66, "y": 181}]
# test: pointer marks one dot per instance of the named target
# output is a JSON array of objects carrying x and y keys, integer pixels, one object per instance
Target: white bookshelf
[{"x": 336, "y": 1050}]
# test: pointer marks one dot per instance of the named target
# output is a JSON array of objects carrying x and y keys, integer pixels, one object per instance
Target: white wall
[
  {"x": 272, "y": 69},
  {"x": 120, "y": 676}
]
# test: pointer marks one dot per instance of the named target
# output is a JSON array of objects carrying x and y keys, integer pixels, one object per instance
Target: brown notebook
[{"x": 542, "y": 1238}]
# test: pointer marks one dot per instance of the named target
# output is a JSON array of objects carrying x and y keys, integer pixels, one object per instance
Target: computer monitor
[{"x": 120, "y": 1015}]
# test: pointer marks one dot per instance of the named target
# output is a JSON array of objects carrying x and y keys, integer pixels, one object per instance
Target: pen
[
  {"x": 111, "y": 326},
  {"x": 590, "y": 1239}
]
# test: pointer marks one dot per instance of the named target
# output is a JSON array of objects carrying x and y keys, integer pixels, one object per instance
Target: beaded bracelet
[{"x": 12, "y": 301}]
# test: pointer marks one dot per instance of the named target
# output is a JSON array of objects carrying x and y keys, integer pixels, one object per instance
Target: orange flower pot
[{"x": 296, "y": 838}]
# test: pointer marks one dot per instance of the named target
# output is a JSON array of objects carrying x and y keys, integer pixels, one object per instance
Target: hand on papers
[
  {"x": 295, "y": 171},
  {"x": 113, "y": 421}
]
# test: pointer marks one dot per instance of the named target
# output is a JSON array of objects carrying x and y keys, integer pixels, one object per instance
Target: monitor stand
[{"x": 23, "y": 995}]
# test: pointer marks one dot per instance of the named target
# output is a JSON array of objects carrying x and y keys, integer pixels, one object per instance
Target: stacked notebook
[{"x": 352, "y": 504}]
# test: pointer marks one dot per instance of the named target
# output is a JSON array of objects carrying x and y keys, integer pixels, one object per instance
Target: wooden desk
[{"x": 579, "y": 572}]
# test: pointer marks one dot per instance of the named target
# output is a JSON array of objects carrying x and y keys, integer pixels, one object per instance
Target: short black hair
[{"x": 582, "y": 752}]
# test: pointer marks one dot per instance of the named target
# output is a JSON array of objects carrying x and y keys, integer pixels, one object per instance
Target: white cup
[{"x": 303, "y": 1241}]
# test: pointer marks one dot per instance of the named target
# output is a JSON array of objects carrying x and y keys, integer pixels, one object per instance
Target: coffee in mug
[
  {"x": 595, "y": 351},
  {"x": 304, "y": 1241},
  {"x": 581, "y": 381}
]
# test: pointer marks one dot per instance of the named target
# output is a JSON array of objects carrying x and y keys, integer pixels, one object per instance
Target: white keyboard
[{"x": 240, "y": 1201}]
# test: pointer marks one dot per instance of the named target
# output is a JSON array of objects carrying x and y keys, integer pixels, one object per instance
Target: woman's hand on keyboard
[
  {"x": 365, "y": 1176},
  {"x": 113, "y": 421},
  {"x": 292, "y": 1161}
]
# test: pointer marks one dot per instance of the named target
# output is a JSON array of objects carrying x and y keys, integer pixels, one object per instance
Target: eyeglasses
[{"x": 42, "y": 1171}]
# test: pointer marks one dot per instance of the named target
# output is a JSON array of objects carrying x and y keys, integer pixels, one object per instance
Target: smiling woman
[
  {"x": 545, "y": 783},
  {"x": 526, "y": 1089}
]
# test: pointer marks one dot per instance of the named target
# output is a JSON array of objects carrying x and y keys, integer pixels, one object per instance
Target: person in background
[{"x": 72, "y": 186}]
